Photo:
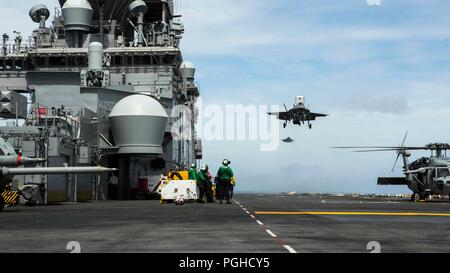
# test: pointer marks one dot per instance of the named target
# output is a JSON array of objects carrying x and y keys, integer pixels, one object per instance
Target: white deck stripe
[
  {"x": 287, "y": 247},
  {"x": 290, "y": 249},
  {"x": 271, "y": 233}
]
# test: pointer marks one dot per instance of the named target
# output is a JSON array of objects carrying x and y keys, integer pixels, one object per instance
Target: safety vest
[
  {"x": 225, "y": 173},
  {"x": 192, "y": 174}
]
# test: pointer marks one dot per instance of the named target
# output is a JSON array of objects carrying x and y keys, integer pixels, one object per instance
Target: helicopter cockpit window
[{"x": 443, "y": 172}]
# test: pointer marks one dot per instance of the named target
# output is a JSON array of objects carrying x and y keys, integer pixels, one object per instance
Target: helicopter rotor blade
[
  {"x": 404, "y": 139},
  {"x": 377, "y": 150},
  {"x": 365, "y": 147},
  {"x": 389, "y": 150},
  {"x": 396, "y": 160},
  {"x": 383, "y": 148},
  {"x": 399, "y": 152}
]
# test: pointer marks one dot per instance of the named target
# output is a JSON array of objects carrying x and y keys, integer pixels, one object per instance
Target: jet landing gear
[
  {"x": 310, "y": 126},
  {"x": 284, "y": 125}
]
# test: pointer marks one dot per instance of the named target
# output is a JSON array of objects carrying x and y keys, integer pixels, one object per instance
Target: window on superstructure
[
  {"x": 40, "y": 61},
  {"x": 117, "y": 60},
  {"x": 168, "y": 59},
  {"x": 8, "y": 64},
  {"x": 137, "y": 60},
  {"x": 155, "y": 60},
  {"x": 76, "y": 61},
  {"x": 82, "y": 61},
  {"x": 57, "y": 61},
  {"x": 129, "y": 60},
  {"x": 17, "y": 65},
  {"x": 146, "y": 60},
  {"x": 29, "y": 64},
  {"x": 71, "y": 61}
]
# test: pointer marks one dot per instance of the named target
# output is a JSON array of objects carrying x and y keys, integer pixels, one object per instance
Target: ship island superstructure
[{"x": 102, "y": 84}]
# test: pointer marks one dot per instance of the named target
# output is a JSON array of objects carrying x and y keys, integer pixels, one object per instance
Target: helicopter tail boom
[{"x": 386, "y": 181}]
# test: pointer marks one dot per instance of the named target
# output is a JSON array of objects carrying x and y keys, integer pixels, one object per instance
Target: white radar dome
[
  {"x": 77, "y": 15},
  {"x": 138, "y": 124}
]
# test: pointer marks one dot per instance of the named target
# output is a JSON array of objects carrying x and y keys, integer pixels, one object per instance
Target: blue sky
[{"x": 378, "y": 70}]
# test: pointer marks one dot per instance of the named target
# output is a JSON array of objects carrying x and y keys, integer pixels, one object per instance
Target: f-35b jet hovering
[{"x": 299, "y": 114}]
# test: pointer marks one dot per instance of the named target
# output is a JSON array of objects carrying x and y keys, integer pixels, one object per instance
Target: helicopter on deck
[{"x": 425, "y": 176}]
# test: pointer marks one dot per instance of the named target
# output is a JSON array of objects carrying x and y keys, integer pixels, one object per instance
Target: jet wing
[
  {"x": 385, "y": 181},
  {"x": 313, "y": 116},
  {"x": 282, "y": 115},
  {"x": 317, "y": 115}
]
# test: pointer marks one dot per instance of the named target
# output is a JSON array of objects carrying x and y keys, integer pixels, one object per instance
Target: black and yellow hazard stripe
[{"x": 11, "y": 197}]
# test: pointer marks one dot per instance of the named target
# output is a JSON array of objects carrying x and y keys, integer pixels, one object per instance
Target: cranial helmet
[
  {"x": 226, "y": 162},
  {"x": 193, "y": 166},
  {"x": 204, "y": 168}
]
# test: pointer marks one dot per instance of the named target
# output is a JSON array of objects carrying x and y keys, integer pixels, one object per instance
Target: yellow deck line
[{"x": 353, "y": 213}]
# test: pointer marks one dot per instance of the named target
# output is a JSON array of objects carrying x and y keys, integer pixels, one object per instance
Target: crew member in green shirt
[
  {"x": 192, "y": 172},
  {"x": 204, "y": 185},
  {"x": 225, "y": 174}
]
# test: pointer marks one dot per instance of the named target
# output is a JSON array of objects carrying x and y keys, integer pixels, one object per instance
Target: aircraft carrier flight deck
[
  {"x": 253, "y": 224},
  {"x": 126, "y": 126}
]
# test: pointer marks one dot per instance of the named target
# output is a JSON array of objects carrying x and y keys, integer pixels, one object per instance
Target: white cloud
[
  {"x": 374, "y": 2},
  {"x": 389, "y": 104}
]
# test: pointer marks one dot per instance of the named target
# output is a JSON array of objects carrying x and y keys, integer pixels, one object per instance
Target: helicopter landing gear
[
  {"x": 284, "y": 125},
  {"x": 419, "y": 197}
]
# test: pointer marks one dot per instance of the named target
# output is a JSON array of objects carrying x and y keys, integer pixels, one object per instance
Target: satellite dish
[
  {"x": 77, "y": 15},
  {"x": 137, "y": 7},
  {"x": 39, "y": 11}
]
